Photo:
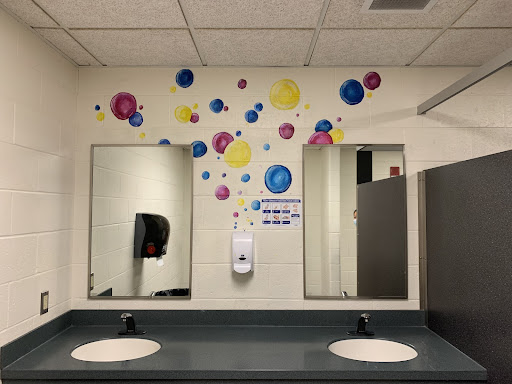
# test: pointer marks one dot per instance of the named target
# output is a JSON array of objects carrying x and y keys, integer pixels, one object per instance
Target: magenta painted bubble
[
  {"x": 194, "y": 118},
  {"x": 235, "y": 214},
  {"x": 297, "y": 115},
  {"x": 371, "y": 80},
  {"x": 220, "y": 141},
  {"x": 141, "y": 107},
  {"x": 239, "y": 192},
  {"x": 320, "y": 137},
  {"x": 261, "y": 191},
  {"x": 225, "y": 108},
  {"x": 222, "y": 192},
  {"x": 286, "y": 131},
  {"x": 338, "y": 119},
  {"x": 242, "y": 83},
  {"x": 123, "y": 105}
]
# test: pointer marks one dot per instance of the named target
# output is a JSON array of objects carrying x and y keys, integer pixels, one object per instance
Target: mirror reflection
[
  {"x": 355, "y": 225},
  {"x": 141, "y": 213}
]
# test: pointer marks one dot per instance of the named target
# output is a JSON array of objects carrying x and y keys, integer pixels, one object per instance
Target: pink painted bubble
[
  {"x": 338, "y": 119},
  {"x": 297, "y": 115},
  {"x": 320, "y": 137},
  {"x": 242, "y": 83},
  {"x": 123, "y": 105},
  {"x": 141, "y": 107},
  {"x": 286, "y": 131},
  {"x": 220, "y": 141},
  {"x": 222, "y": 192},
  {"x": 235, "y": 214},
  {"x": 225, "y": 108},
  {"x": 239, "y": 192},
  {"x": 194, "y": 118},
  {"x": 372, "y": 80}
]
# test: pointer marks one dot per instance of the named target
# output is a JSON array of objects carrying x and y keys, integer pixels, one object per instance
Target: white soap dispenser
[{"x": 242, "y": 251}]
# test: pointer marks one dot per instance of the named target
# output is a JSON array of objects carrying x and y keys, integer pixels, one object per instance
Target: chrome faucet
[
  {"x": 361, "y": 326},
  {"x": 130, "y": 325}
]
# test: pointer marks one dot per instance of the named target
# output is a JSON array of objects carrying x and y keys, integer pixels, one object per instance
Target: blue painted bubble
[
  {"x": 246, "y": 177},
  {"x": 198, "y": 148},
  {"x": 258, "y": 107},
  {"x": 184, "y": 78},
  {"x": 278, "y": 179},
  {"x": 234, "y": 227},
  {"x": 216, "y": 105},
  {"x": 136, "y": 119},
  {"x": 252, "y": 223},
  {"x": 205, "y": 175},
  {"x": 323, "y": 125},
  {"x": 255, "y": 205},
  {"x": 223, "y": 175},
  {"x": 351, "y": 92},
  {"x": 266, "y": 147},
  {"x": 164, "y": 141},
  {"x": 218, "y": 157},
  {"x": 251, "y": 116},
  {"x": 238, "y": 133},
  {"x": 245, "y": 209},
  {"x": 97, "y": 107}
]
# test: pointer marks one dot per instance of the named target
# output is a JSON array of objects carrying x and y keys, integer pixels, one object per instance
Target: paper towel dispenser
[{"x": 151, "y": 235}]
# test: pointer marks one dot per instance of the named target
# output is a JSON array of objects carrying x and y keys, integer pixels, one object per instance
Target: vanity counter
[{"x": 243, "y": 352}]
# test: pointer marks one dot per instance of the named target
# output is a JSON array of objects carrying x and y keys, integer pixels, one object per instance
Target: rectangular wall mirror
[
  {"x": 355, "y": 222},
  {"x": 140, "y": 221}
]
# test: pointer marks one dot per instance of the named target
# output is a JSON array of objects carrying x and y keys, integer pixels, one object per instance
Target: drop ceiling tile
[
  {"x": 139, "y": 46},
  {"x": 370, "y": 46},
  {"x": 30, "y": 13},
  {"x": 466, "y": 47},
  {"x": 488, "y": 13},
  {"x": 115, "y": 13},
  {"x": 61, "y": 39},
  {"x": 253, "y": 14},
  {"x": 346, "y": 14},
  {"x": 255, "y": 47}
]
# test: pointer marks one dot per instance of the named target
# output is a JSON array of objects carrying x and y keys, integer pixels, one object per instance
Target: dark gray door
[{"x": 381, "y": 238}]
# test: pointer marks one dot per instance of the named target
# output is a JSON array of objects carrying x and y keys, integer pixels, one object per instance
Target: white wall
[
  {"x": 383, "y": 160},
  {"x": 38, "y": 91}
]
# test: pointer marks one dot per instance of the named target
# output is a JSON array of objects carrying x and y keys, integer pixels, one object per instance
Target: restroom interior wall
[{"x": 383, "y": 160}]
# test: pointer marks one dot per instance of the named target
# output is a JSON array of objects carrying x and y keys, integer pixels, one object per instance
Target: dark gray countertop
[{"x": 245, "y": 353}]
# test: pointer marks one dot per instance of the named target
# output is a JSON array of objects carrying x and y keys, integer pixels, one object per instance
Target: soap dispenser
[
  {"x": 242, "y": 251},
  {"x": 151, "y": 236}
]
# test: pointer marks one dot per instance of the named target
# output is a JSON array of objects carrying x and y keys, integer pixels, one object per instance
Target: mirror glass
[
  {"x": 355, "y": 221},
  {"x": 140, "y": 221}
]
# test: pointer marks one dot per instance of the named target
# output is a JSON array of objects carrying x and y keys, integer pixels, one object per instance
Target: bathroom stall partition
[{"x": 466, "y": 257}]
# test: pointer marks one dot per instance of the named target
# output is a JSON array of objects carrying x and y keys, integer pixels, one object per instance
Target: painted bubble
[
  {"x": 245, "y": 177},
  {"x": 223, "y": 175},
  {"x": 123, "y": 105},
  {"x": 286, "y": 130},
  {"x": 239, "y": 192},
  {"x": 97, "y": 107},
  {"x": 369, "y": 94},
  {"x": 278, "y": 179},
  {"x": 220, "y": 141},
  {"x": 266, "y": 146},
  {"x": 284, "y": 94},
  {"x": 198, "y": 148},
  {"x": 240, "y": 202},
  {"x": 338, "y": 119},
  {"x": 297, "y": 115},
  {"x": 172, "y": 89},
  {"x": 372, "y": 80},
  {"x": 194, "y": 118},
  {"x": 235, "y": 227},
  {"x": 237, "y": 154},
  {"x": 351, "y": 92},
  {"x": 235, "y": 214},
  {"x": 251, "y": 223},
  {"x": 142, "y": 135},
  {"x": 100, "y": 116},
  {"x": 255, "y": 205},
  {"x": 183, "y": 113},
  {"x": 205, "y": 175},
  {"x": 195, "y": 106},
  {"x": 245, "y": 209},
  {"x": 164, "y": 141},
  {"x": 184, "y": 78},
  {"x": 323, "y": 125},
  {"x": 226, "y": 108},
  {"x": 218, "y": 157},
  {"x": 307, "y": 106},
  {"x": 251, "y": 116},
  {"x": 238, "y": 133},
  {"x": 136, "y": 119},
  {"x": 216, "y": 105},
  {"x": 337, "y": 135},
  {"x": 222, "y": 192},
  {"x": 141, "y": 107},
  {"x": 242, "y": 83},
  {"x": 258, "y": 107},
  {"x": 320, "y": 137}
]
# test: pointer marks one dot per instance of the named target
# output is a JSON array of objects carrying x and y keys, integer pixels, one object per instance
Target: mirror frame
[
  {"x": 304, "y": 202},
  {"x": 89, "y": 261}
]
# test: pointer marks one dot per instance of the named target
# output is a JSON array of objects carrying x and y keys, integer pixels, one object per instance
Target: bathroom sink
[
  {"x": 109, "y": 350},
  {"x": 373, "y": 350}
]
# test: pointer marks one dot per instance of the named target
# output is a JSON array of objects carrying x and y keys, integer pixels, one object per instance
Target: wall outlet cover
[{"x": 45, "y": 297}]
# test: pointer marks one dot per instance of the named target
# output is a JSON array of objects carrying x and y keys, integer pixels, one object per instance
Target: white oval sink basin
[
  {"x": 115, "y": 350},
  {"x": 373, "y": 350}
]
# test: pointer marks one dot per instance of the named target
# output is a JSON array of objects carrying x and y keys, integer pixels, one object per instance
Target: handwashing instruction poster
[{"x": 281, "y": 212}]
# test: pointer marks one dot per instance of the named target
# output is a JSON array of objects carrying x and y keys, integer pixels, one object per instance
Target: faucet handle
[
  {"x": 366, "y": 316},
  {"x": 124, "y": 316}
]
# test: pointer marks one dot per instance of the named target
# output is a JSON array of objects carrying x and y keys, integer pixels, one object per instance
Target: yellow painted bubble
[
  {"x": 284, "y": 94},
  {"x": 142, "y": 135},
  {"x": 100, "y": 116},
  {"x": 307, "y": 106},
  {"x": 369, "y": 94},
  {"x": 337, "y": 135},
  {"x": 172, "y": 89},
  {"x": 237, "y": 154},
  {"x": 183, "y": 113},
  {"x": 240, "y": 202},
  {"x": 195, "y": 106}
]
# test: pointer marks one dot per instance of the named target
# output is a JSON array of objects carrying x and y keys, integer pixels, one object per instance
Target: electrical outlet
[
  {"x": 91, "y": 282},
  {"x": 44, "y": 302}
]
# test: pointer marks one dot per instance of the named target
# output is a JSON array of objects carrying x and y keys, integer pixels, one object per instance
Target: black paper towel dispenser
[{"x": 151, "y": 235}]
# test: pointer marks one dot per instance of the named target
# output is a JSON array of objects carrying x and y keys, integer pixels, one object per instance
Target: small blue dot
[
  {"x": 164, "y": 141},
  {"x": 251, "y": 116},
  {"x": 266, "y": 147},
  {"x": 258, "y": 107},
  {"x": 97, "y": 107},
  {"x": 238, "y": 133},
  {"x": 251, "y": 223},
  {"x": 234, "y": 227},
  {"x": 246, "y": 177},
  {"x": 245, "y": 209},
  {"x": 218, "y": 157},
  {"x": 223, "y": 175},
  {"x": 205, "y": 175}
]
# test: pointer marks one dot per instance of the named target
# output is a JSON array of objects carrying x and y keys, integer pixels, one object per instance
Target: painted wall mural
[{"x": 234, "y": 151}]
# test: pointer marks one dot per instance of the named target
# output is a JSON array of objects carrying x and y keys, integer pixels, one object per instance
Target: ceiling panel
[
  {"x": 139, "y": 47},
  {"x": 370, "y": 47},
  {"x": 346, "y": 14},
  {"x": 253, "y": 14},
  {"x": 30, "y": 13},
  {"x": 488, "y": 13},
  {"x": 466, "y": 47},
  {"x": 61, "y": 39},
  {"x": 115, "y": 13},
  {"x": 267, "y": 47}
]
